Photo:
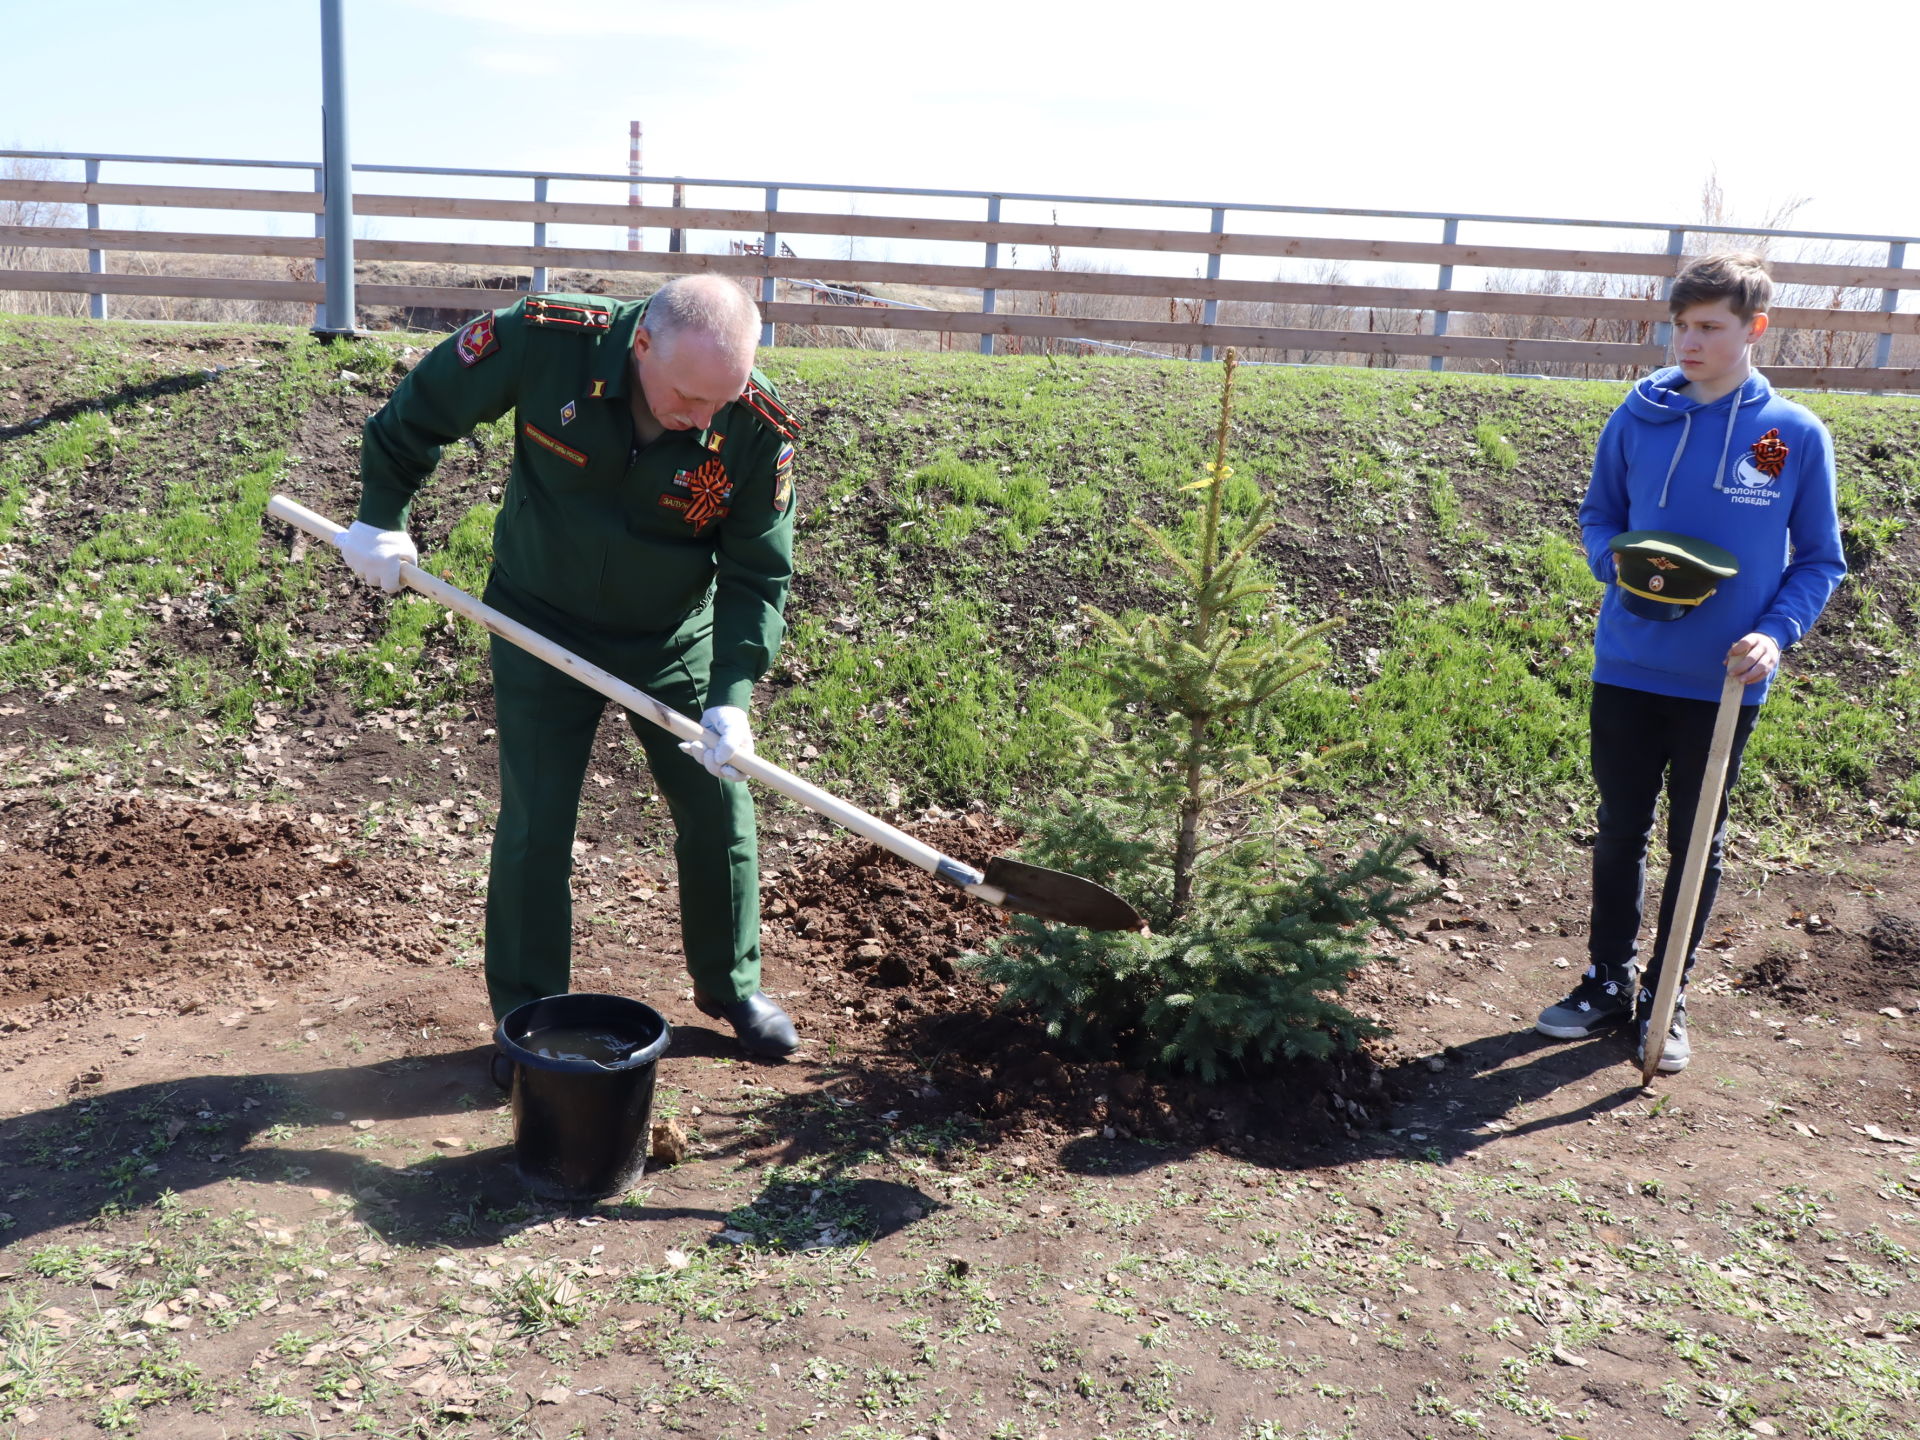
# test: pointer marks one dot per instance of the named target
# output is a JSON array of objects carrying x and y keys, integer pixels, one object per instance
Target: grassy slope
[
  {"x": 957, "y": 513},
  {"x": 973, "y": 503}
]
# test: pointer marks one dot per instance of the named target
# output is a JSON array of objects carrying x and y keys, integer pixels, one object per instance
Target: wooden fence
[{"x": 1615, "y": 334}]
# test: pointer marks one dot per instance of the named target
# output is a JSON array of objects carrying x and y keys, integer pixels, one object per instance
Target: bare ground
[{"x": 254, "y": 1002}]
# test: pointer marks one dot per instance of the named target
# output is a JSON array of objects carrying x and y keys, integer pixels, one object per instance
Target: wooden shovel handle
[
  {"x": 871, "y": 827},
  {"x": 1706, "y": 811}
]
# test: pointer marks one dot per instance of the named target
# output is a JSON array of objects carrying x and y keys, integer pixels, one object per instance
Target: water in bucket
[{"x": 596, "y": 1043}]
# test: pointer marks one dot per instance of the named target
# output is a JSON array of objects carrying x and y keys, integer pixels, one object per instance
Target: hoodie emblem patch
[{"x": 1770, "y": 454}]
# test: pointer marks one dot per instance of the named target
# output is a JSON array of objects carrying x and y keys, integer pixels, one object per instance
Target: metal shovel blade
[{"x": 1062, "y": 898}]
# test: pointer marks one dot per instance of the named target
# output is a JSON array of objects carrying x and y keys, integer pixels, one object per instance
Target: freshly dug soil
[
  {"x": 101, "y": 897},
  {"x": 885, "y": 940}
]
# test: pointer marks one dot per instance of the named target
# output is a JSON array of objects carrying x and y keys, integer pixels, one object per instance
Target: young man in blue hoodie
[{"x": 1702, "y": 449}]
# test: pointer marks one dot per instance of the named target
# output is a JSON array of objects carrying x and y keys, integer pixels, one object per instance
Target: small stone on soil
[{"x": 669, "y": 1145}]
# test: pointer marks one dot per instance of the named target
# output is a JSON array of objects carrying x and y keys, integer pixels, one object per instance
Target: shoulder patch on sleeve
[
  {"x": 566, "y": 313},
  {"x": 476, "y": 341},
  {"x": 770, "y": 410}
]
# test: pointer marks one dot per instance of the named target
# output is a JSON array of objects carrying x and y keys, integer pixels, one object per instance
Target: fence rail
[{"x": 1590, "y": 309}]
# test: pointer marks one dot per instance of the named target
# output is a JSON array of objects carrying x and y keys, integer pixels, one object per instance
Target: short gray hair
[{"x": 708, "y": 305}]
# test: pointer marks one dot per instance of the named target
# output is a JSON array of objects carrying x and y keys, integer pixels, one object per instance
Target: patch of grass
[
  {"x": 1495, "y": 448},
  {"x": 936, "y": 701},
  {"x": 388, "y": 671}
]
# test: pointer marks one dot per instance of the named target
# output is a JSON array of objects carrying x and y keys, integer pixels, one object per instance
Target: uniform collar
[{"x": 614, "y": 363}]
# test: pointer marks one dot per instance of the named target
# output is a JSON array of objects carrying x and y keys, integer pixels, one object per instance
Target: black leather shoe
[{"x": 763, "y": 1027}]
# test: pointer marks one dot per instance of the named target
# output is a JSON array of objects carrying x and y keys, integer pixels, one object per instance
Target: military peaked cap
[{"x": 1663, "y": 575}]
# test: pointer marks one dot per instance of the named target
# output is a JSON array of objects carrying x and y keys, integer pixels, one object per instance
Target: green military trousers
[{"x": 546, "y": 722}]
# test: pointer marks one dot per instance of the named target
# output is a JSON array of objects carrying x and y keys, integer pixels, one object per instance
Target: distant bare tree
[{"x": 23, "y": 257}]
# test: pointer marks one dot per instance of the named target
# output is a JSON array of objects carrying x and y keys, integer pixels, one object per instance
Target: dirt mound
[
  {"x": 883, "y": 940},
  {"x": 97, "y": 898},
  {"x": 1865, "y": 968},
  {"x": 888, "y": 924}
]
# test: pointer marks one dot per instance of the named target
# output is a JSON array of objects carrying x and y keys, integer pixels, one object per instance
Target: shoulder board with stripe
[
  {"x": 771, "y": 411},
  {"x": 567, "y": 314}
]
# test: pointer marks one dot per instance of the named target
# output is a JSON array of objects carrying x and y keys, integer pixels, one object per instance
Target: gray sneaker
[
  {"x": 1676, "y": 1054},
  {"x": 1595, "y": 1007}
]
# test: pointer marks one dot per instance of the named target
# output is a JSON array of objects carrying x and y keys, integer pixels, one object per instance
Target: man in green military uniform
[{"x": 647, "y": 527}]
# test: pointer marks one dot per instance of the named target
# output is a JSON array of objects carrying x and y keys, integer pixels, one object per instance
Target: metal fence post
[
  {"x": 339, "y": 176},
  {"x": 539, "y": 234},
  {"x": 1663, "y": 332},
  {"x": 320, "y": 234},
  {"x": 1889, "y": 302},
  {"x": 1210, "y": 311},
  {"x": 988, "y": 298},
  {"x": 1449, "y": 235},
  {"x": 769, "y": 247},
  {"x": 96, "y": 259}
]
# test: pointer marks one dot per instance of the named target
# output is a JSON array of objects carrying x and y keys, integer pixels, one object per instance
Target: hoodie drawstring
[
  {"x": 1733, "y": 415},
  {"x": 1686, "y": 428},
  {"x": 1726, "y": 444}
]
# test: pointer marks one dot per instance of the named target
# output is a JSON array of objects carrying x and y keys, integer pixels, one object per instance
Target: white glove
[
  {"x": 728, "y": 734},
  {"x": 375, "y": 555}
]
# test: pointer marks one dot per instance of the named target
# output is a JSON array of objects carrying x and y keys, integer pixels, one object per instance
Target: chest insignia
[
  {"x": 546, "y": 442},
  {"x": 567, "y": 412},
  {"x": 1770, "y": 454},
  {"x": 476, "y": 341},
  {"x": 707, "y": 491},
  {"x": 599, "y": 390},
  {"x": 715, "y": 440}
]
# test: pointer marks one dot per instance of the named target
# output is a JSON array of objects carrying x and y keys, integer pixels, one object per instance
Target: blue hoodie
[{"x": 1751, "y": 472}]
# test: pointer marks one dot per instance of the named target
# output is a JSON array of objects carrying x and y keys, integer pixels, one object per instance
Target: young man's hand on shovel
[{"x": 1753, "y": 658}]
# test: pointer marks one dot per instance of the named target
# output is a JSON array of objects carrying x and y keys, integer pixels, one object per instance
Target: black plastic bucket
[{"x": 582, "y": 1128}]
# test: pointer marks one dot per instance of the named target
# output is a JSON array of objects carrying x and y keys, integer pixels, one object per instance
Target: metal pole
[
  {"x": 1211, "y": 310},
  {"x": 339, "y": 171},
  {"x": 1663, "y": 332},
  {"x": 988, "y": 297},
  {"x": 1889, "y": 302},
  {"x": 769, "y": 247},
  {"x": 633, "y": 181},
  {"x": 1449, "y": 235},
  {"x": 539, "y": 234},
  {"x": 676, "y": 237},
  {"x": 96, "y": 259}
]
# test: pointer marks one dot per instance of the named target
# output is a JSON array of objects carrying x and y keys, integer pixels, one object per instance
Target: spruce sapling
[{"x": 1253, "y": 941}]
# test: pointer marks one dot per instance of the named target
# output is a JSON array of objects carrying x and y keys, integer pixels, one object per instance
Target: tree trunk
[{"x": 1187, "y": 848}]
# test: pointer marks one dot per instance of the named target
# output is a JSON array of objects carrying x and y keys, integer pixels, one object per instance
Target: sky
[{"x": 1474, "y": 106}]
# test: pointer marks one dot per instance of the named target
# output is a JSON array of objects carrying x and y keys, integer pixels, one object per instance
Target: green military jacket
[{"x": 612, "y": 548}]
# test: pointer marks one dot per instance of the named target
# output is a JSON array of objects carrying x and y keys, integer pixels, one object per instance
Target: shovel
[
  {"x": 1673, "y": 961},
  {"x": 1011, "y": 885}
]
